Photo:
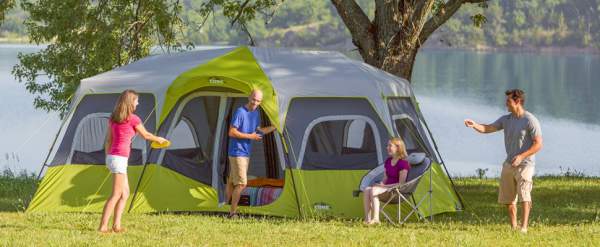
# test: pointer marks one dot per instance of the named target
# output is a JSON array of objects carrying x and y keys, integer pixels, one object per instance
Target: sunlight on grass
[{"x": 566, "y": 211}]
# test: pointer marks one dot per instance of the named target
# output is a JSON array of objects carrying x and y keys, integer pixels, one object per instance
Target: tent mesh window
[
  {"x": 193, "y": 139},
  {"x": 408, "y": 125},
  {"x": 88, "y": 142},
  {"x": 82, "y": 141},
  {"x": 410, "y": 136},
  {"x": 340, "y": 145}
]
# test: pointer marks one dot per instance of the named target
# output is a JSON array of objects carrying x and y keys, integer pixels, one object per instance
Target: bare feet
[
  {"x": 233, "y": 216},
  {"x": 103, "y": 230},
  {"x": 118, "y": 229},
  {"x": 373, "y": 222}
]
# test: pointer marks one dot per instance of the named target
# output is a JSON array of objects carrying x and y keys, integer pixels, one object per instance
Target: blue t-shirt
[{"x": 244, "y": 121}]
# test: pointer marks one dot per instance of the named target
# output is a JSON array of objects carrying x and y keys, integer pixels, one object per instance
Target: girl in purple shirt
[{"x": 396, "y": 170}]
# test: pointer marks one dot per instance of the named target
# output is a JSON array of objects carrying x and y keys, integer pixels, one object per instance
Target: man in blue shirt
[{"x": 243, "y": 129}]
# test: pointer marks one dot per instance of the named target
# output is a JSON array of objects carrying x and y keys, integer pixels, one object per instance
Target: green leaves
[
  {"x": 87, "y": 38},
  {"x": 5, "y": 5},
  {"x": 239, "y": 12},
  {"x": 478, "y": 20}
]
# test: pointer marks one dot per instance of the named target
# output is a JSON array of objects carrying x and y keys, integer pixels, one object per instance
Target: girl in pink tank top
[{"x": 123, "y": 125}]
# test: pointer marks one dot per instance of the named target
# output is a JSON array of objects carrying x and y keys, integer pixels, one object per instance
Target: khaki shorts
[
  {"x": 238, "y": 170},
  {"x": 515, "y": 181}
]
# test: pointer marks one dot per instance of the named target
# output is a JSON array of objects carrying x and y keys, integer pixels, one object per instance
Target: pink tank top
[{"x": 122, "y": 133}]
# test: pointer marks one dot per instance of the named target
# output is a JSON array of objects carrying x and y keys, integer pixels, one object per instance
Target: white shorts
[{"x": 116, "y": 164}]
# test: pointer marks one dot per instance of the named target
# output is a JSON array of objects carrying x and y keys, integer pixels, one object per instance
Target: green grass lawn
[{"x": 566, "y": 212}]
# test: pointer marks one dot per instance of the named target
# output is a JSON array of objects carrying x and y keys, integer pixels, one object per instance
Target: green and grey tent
[{"x": 333, "y": 115}]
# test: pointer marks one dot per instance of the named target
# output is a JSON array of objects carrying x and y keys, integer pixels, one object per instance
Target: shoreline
[{"x": 568, "y": 50}]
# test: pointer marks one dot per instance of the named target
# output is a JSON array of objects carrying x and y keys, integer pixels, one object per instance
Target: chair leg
[
  {"x": 415, "y": 209},
  {"x": 382, "y": 211}
]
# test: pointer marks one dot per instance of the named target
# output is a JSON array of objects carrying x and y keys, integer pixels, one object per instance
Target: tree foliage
[
  {"x": 5, "y": 5},
  {"x": 86, "y": 38},
  {"x": 89, "y": 37}
]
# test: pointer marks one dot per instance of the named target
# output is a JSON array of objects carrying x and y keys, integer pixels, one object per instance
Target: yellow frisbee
[{"x": 157, "y": 145}]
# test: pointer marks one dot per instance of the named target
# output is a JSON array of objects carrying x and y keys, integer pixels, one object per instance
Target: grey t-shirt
[{"x": 518, "y": 134}]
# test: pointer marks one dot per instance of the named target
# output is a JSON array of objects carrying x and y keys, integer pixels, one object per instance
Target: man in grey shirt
[{"x": 522, "y": 139}]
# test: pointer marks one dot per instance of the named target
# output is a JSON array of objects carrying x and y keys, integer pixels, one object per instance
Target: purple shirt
[{"x": 391, "y": 172}]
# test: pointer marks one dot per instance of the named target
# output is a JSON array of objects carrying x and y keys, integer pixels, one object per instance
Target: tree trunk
[
  {"x": 392, "y": 39},
  {"x": 400, "y": 61}
]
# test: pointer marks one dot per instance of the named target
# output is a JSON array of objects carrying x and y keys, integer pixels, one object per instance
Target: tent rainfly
[{"x": 334, "y": 116}]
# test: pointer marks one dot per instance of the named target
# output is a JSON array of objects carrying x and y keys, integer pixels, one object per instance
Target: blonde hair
[
  {"x": 125, "y": 106},
  {"x": 401, "y": 147}
]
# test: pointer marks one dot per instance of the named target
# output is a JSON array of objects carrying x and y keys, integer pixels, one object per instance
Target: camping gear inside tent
[{"x": 334, "y": 116}]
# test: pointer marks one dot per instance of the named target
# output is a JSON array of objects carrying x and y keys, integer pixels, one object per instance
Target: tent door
[{"x": 264, "y": 172}]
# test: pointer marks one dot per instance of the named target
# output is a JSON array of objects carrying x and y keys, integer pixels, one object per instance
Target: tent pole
[
  {"x": 441, "y": 159},
  {"x": 431, "y": 193},
  {"x": 292, "y": 174},
  {"x": 137, "y": 186},
  {"x": 45, "y": 164}
]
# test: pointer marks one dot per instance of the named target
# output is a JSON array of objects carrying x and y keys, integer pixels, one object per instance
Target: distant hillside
[{"x": 523, "y": 24}]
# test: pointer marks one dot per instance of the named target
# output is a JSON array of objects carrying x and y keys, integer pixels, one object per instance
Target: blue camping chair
[{"x": 401, "y": 193}]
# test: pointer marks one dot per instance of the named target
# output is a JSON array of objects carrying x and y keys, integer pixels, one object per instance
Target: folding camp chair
[{"x": 403, "y": 193}]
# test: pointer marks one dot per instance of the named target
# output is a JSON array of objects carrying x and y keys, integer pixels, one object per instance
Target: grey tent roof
[{"x": 293, "y": 73}]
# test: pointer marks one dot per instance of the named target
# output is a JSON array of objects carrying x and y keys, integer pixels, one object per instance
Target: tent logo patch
[
  {"x": 321, "y": 206},
  {"x": 215, "y": 80}
]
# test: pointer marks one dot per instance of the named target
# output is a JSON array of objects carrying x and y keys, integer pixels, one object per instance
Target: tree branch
[
  {"x": 240, "y": 13},
  {"x": 388, "y": 22},
  {"x": 358, "y": 24},
  {"x": 446, "y": 11},
  {"x": 422, "y": 10}
]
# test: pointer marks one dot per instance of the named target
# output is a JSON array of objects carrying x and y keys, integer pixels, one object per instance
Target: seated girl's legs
[
  {"x": 109, "y": 207},
  {"x": 120, "y": 207},
  {"x": 375, "y": 192},
  {"x": 367, "y": 204}
]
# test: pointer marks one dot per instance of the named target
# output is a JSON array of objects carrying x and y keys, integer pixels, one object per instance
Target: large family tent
[{"x": 334, "y": 116}]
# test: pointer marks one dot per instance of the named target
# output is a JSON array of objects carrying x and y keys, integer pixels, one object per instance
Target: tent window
[
  {"x": 340, "y": 145},
  {"x": 88, "y": 142},
  {"x": 184, "y": 134},
  {"x": 407, "y": 130},
  {"x": 355, "y": 134},
  {"x": 408, "y": 125},
  {"x": 100, "y": 105},
  {"x": 193, "y": 139}
]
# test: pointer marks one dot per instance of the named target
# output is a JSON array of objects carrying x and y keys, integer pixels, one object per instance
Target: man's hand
[
  {"x": 516, "y": 161},
  {"x": 255, "y": 136},
  {"x": 481, "y": 128},
  {"x": 470, "y": 123},
  {"x": 266, "y": 130}
]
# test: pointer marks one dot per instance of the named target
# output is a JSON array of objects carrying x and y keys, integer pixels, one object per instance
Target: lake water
[{"x": 562, "y": 91}]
